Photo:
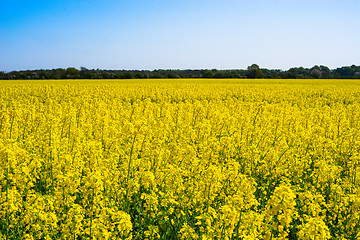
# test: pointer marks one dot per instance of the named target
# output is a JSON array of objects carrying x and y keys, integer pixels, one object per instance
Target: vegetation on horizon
[{"x": 253, "y": 71}]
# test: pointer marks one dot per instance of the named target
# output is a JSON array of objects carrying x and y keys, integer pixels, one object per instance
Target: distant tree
[
  {"x": 86, "y": 73},
  {"x": 34, "y": 75},
  {"x": 107, "y": 75},
  {"x": 128, "y": 75},
  {"x": 303, "y": 72},
  {"x": 2, "y": 75},
  {"x": 118, "y": 75},
  {"x": 208, "y": 74},
  {"x": 325, "y": 71},
  {"x": 347, "y": 72},
  {"x": 139, "y": 75},
  {"x": 58, "y": 73},
  {"x": 292, "y": 73},
  {"x": 254, "y": 71},
  {"x": 316, "y": 72},
  {"x": 96, "y": 74},
  {"x": 72, "y": 73}
]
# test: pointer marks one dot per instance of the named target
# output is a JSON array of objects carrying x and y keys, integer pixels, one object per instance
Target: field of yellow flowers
[{"x": 180, "y": 159}]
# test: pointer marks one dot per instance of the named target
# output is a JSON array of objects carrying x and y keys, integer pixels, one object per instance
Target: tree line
[{"x": 253, "y": 71}]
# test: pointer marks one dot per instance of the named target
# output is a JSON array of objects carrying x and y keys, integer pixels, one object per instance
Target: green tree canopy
[{"x": 254, "y": 71}]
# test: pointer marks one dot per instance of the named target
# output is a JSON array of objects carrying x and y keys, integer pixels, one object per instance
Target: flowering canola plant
[{"x": 180, "y": 159}]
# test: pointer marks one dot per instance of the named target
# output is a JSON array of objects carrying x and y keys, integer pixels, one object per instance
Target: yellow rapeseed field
[{"x": 180, "y": 159}]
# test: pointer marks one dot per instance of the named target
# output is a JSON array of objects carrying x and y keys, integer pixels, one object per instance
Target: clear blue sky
[{"x": 181, "y": 34}]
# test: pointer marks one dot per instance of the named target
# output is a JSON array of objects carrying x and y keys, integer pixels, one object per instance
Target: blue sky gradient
[{"x": 186, "y": 34}]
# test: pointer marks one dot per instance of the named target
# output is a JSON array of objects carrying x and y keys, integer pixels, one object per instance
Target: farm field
[{"x": 180, "y": 159}]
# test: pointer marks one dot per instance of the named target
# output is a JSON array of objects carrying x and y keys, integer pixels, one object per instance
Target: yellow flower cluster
[{"x": 180, "y": 159}]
